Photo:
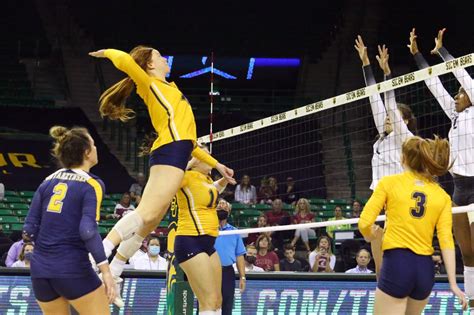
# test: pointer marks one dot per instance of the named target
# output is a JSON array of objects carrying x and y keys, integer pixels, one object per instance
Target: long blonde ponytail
[{"x": 112, "y": 101}]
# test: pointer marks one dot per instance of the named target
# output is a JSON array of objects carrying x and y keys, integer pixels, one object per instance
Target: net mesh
[{"x": 327, "y": 147}]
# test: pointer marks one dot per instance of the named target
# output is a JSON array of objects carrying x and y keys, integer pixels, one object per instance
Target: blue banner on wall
[{"x": 262, "y": 297}]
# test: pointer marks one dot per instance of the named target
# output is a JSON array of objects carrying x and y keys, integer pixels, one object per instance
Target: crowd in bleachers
[{"x": 338, "y": 248}]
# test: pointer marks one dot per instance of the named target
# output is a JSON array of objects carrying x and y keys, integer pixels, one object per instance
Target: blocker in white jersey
[
  {"x": 393, "y": 121},
  {"x": 459, "y": 111}
]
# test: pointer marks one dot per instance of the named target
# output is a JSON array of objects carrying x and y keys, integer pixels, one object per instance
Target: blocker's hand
[
  {"x": 362, "y": 50},
  {"x": 438, "y": 41}
]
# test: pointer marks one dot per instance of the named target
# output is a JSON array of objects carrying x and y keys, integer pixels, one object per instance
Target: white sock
[
  {"x": 116, "y": 267},
  {"x": 108, "y": 247}
]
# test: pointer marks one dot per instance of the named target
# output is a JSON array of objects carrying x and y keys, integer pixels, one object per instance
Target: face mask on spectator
[
  {"x": 251, "y": 259},
  {"x": 154, "y": 250},
  {"x": 28, "y": 256},
  {"x": 222, "y": 214}
]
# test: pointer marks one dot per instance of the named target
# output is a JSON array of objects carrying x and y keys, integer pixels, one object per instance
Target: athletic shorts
[
  {"x": 175, "y": 154},
  {"x": 463, "y": 190},
  {"x": 406, "y": 274},
  {"x": 49, "y": 289},
  {"x": 186, "y": 247}
]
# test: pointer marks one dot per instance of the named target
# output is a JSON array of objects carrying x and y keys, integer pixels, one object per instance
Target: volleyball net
[{"x": 328, "y": 147}]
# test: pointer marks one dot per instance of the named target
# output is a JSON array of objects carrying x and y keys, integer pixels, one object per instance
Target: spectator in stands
[
  {"x": 5, "y": 244},
  {"x": 250, "y": 259},
  {"x": 289, "y": 263},
  {"x": 261, "y": 222},
  {"x": 438, "y": 262},
  {"x": 356, "y": 209},
  {"x": 277, "y": 216},
  {"x": 15, "y": 250},
  {"x": 152, "y": 260},
  {"x": 268, "y": 190},
  {"x": 124, "y": 206},
  {"x": 303, "y": 215},
  {"x": 289, "y": 193},
  {"x": 321, "y": 258},
  {"x": 363, "y": 258},
  {"x": 2, "y": 191},
  {"x": 267, "y": 259},
  {"x": 245, "y": 192},
  {"x": 337, "y": 216},
  {"x": 24, "y": 258},
  {"x": 137, "y": 188}
]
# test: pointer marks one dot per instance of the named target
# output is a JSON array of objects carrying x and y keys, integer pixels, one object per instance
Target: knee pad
[
  {"x": 129, "y": 225},
  {"x": 129, "y": 247}
]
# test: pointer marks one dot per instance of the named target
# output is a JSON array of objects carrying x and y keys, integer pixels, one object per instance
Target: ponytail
[
  {"x": 112, "y": 101},
  {"x": 427, "y": 157}
]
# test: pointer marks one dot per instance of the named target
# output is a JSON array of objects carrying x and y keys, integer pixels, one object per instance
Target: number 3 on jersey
[
  {"x": 56, "y": 201},
  {"x": 419, "y": 210}
]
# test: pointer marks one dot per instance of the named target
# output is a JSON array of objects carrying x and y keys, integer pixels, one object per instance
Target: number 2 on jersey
[
  {"x": 419, "y": 210},
  {"x": 56, "y": 201}
]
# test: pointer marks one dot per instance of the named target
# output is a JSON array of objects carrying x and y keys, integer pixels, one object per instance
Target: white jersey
[
  {"x": 386, "y": 158},
  {"x": 461, "y": 134}
]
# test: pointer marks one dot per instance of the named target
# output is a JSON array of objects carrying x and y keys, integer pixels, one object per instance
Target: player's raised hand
[
  {"x": 98, "y": 53},
  {"x": 438, "y": 41},
  {"x": 362, "y": 50},
  {"x": 413, "y": 46},
  {"x": 382, "y": 58},
  {"x": 226, "y": 172}
]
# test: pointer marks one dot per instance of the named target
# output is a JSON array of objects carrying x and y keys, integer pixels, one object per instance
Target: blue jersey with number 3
[{"x": 60, "y": 203}]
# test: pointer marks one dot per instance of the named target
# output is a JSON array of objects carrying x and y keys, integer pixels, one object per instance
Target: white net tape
[
  {"x": 456, "y": 210},
  {"x": 349, "y": 97}
]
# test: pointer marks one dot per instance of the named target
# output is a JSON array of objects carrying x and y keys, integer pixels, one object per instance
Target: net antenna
[{"x": 211, "y": 100}]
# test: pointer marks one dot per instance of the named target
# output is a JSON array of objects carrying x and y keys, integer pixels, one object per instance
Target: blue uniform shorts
[
  {"x": 406, "y": 274},
  {"x": 186, "y": 247},
  {"x": 463, "y": 190},
  {"x": 175, "y": 154},
  {"x": 47, "y": 290}
]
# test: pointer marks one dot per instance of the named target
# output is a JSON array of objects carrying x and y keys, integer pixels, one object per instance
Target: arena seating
[
  {"x": 22, "y": 37},
  {"x": 14, "y": 208}
]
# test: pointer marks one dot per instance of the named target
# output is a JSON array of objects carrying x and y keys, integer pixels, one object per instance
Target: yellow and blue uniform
[
  {"x": 197, "y": 202},
  {"x": 198, "y": 225},
  {"x": 170, "y": 112},
  {"x": 415, "y": 207},
  {"x": 62, "y": 221}
]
